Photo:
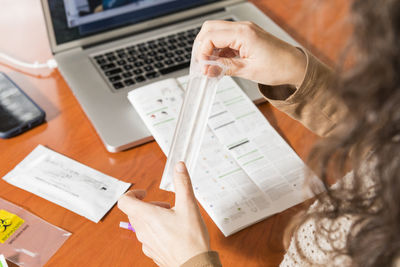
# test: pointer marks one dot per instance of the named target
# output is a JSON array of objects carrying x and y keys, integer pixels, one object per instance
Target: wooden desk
[{"x": 69, "y": 132}]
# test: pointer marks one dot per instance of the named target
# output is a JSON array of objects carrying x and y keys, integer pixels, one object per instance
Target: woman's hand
[
  {"x": 169, "y": 236},
  {"x": 252, "y": 53}
]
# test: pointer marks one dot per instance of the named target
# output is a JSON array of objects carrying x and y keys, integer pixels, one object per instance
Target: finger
[
  {"x": 212, "y": 25},
  {"x": 133, "y": 223},
  {"x": 158, "y": 263},
  {"x": 220, "y": 39},
  {"x": 131, "y": 205},
  {"x": 233, "y": 66},
  {"x": 147, "y": 251},
  {"x": 223, "y": 34},
  {"x": 139, "y": 236},
  {"x": 161, "y": 204},
  {"x": 214, "y": 71},
  {"x": 184, "y": 195},
  {"x": 227, "y": 52},
  {"x": 139, "y": 193},
  {"x": 223, "y": 41}
]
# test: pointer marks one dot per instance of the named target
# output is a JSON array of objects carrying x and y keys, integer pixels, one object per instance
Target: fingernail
[{"x": 179, "y": 167}]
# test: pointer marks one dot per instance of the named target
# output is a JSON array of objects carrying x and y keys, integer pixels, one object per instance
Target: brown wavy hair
[{"x": 368, "y": 139}]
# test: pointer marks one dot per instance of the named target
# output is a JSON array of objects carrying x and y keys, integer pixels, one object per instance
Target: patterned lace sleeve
[{"x": 309, "y": 249}]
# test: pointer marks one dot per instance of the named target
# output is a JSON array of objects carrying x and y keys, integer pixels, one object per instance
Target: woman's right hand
[{"x": 250, "y": 52}]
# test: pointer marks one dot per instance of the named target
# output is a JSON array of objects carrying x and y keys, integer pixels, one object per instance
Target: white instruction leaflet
[
  {"x": 245, "y": 171},
  {"x": 67, "y": 183},
  {"x": 255, "y": 145}
]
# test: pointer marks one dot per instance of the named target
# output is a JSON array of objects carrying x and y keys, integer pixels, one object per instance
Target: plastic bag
[
  {"x": 25, "y": 239},
  {"x": 199, "y": 97}
]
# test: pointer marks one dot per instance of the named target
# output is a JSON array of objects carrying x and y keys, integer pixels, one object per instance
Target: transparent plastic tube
[{"x": 192, "y": 122}]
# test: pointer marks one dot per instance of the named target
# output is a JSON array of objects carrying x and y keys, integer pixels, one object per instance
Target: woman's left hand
[{"x": 169, "y": 236}]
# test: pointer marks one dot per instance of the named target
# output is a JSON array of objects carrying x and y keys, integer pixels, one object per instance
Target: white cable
[{"x": 51, "y": 63}]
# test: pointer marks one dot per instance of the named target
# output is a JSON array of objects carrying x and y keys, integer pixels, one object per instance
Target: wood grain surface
[{"x": 317, "y": 25}]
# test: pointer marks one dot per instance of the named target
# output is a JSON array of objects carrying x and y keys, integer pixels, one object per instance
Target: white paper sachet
[{"x": 67, "y": 183}]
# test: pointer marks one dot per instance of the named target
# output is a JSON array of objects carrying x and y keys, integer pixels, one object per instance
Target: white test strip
[{"x": 124, "y": 225}]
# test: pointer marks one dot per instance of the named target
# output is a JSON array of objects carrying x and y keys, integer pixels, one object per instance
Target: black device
[{"x": 18, "y": 112}]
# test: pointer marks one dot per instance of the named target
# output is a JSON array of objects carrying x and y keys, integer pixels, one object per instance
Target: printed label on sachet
[{"x": 9, "y": 223}]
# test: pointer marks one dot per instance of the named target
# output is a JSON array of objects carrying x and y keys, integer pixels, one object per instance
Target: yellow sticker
[{"x": 9, "y": 223}]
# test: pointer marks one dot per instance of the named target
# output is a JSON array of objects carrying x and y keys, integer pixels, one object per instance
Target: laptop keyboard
[{"x": 141, "y": 62}]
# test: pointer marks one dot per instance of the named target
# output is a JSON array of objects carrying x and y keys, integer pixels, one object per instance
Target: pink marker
[{"x": 126, "y": 225}]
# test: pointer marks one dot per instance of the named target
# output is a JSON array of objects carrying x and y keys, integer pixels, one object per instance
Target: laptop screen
[{"x": 75, "y": 19}]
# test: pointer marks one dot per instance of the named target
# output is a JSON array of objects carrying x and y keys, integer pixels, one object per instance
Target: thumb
[
  {"x": 184, "y": 195},
  {"x": 131, "y": 204},
  {"x": 233, "y": 65}
]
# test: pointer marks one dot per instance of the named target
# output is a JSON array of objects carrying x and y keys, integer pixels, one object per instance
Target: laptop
[{"x": 106, "y": 48}]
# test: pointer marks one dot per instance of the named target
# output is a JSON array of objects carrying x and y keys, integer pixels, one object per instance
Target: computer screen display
[{"x": 75, "y": 19}]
